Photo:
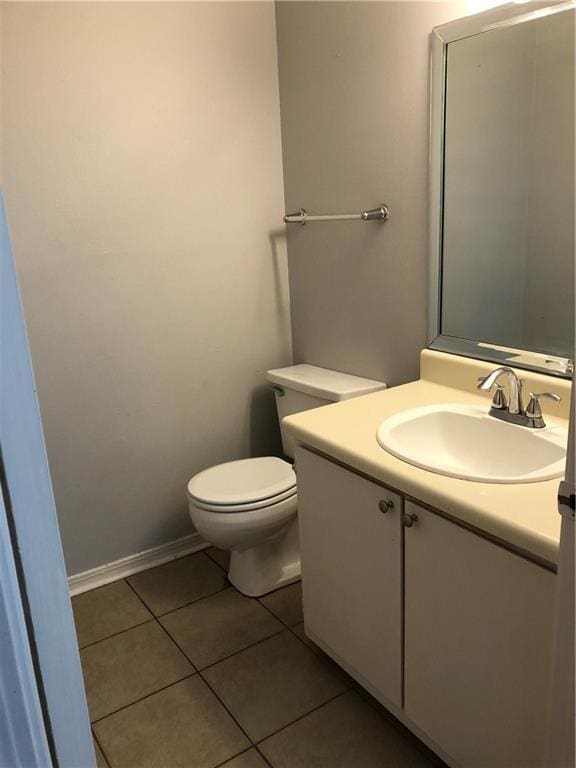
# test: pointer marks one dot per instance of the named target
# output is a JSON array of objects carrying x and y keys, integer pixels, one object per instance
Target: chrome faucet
[
  {"x": 513, "y": 409},
  {"x": 514, "y": 405}
]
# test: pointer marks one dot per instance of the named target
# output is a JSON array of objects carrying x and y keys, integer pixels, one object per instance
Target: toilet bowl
[{"x": 250, "y": 506}]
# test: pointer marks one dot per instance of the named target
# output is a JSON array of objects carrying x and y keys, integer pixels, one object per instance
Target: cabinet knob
[
  {"x": 409, "y": 520},
  {"x": 385, "y": 506}
]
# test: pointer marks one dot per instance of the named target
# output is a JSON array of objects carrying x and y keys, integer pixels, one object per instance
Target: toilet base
[{"x": 268, "y": 566}]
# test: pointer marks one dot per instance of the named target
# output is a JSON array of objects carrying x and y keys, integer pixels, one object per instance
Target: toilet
[{"x": 250, "y": 506}]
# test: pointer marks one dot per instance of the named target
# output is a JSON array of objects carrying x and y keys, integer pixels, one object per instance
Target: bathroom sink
[{"x": 464, "y": 441}]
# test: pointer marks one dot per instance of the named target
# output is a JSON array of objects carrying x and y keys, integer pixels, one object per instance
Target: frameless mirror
[{"x": 503, "y": 186}]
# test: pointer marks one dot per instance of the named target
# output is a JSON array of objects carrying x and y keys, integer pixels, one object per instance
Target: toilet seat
[
  {"x": 239, "y": 486},
  {"x": 251, "y": 505}
]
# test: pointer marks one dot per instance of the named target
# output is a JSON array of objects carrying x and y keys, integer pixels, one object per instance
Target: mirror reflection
[{"x": 508, "y": 214}]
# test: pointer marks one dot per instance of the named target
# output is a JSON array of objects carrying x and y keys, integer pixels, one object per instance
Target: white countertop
[{"x": 525, "y": 515}]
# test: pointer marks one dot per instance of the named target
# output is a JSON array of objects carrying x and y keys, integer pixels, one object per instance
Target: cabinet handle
[
  {"x": 409, "y": 520},
  {"x": 385, "y": 506}
]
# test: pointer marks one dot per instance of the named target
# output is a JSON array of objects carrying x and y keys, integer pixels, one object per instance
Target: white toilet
[{"x": 250, "y": 506}]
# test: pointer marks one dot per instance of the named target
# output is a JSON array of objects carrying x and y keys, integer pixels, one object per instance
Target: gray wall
[
  {"x": 143, "y": 180},
  {"x": 354, "y": 104}
]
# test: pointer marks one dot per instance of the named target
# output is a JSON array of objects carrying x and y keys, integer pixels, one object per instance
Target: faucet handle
[
  {"x": 533, "y": 410},
  {"x": 499, "y": 400}
]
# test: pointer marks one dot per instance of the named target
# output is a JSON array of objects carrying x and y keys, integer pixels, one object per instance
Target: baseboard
[{"x": 127, "y": 566}]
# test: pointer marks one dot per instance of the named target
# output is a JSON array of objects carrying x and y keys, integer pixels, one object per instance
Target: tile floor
[{"x": 183, "y": 670}]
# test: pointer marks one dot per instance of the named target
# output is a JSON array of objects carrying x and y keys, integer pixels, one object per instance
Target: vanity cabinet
[
  {"x": 445, "y": 627},
  {"x": 478, "y": 640},
  {"x": 350, "y": 533}
]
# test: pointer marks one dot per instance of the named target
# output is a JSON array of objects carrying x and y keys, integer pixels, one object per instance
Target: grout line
[
  {"x": 318, "y": 652},
  {"x": 214, "y": 559},
  {"x": 142, "y": 698},
  {"x": 355, "y": 685},
  {"x": 144, "y": 603},
  {"x": 225, "y": 586},
  {"x": 301, "y": 717},
  {"x": 273, "y": 614},
  {"x": 97, "y": 740},
  {"x": 402, "y": 730},
  {"x": 163, "y": 615},
  {"x": 169, "y": 636},
  {"x": 384, "y": 713},
  {"x": 190, "y": 554},
  {"x": 140, "y": 562},
  {"x": 229, "y": 759},
  {"x": 197, "y": 671},
  {"x": 211, "y": 688},
  {"x": 115, "y": 634},
  {"x": 286, "y": 725},
  {"x": 291, "y": 628},
  {"x": 235, "y": 719},
  {"x": 192, "y": 602},
  {"x": 224, "y": 658},
  {"x": 231, "y": 655},
  {"x": 214, "y": 663},
  {"x": 263, "y": 756},
  {"x": 138, "y": 596}
]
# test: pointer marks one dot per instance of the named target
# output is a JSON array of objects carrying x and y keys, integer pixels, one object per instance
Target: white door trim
[
  {"x": 34, "y": 532},
  {"x": 23, "y": 738}
]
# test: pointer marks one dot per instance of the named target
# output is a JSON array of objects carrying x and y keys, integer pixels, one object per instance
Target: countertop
[{"x": 524, "y": 515}]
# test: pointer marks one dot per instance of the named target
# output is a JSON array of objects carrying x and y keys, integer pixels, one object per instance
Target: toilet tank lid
[{"x": 329, "y": 385}]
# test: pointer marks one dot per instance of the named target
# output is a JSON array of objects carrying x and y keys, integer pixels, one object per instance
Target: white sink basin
[{"x": 464, "y": 441}]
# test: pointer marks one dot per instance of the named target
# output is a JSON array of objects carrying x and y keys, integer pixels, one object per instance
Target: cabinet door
[
  {"x": 478, "y": 632},
  {"x": 351, "y": 571}
]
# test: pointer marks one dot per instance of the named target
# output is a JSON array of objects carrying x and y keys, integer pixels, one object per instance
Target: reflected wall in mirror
[{"x": 504, "y": 246}]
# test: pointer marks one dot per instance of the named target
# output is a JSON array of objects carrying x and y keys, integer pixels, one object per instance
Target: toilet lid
[{"x": 240, "y": 482}]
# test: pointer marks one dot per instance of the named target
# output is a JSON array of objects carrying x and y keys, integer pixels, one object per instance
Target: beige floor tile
[
  {"x": 345, "y": 733},
  {"x": 182, "y": 726},
  {"x": 218, "y": 626},
  {"x": 126, "y": 667},
  {"x": 250, "y": 759},
  {"x": 107, "y": 610},
  {"x": 299, "y": 630},
  {"x": 100, "y": 759},
  {"x": 179, "y": 582},
  {"x": 220, "y": 556},
  {"x": 286, "y": 604},
  {"x": 269, "y": 685}
]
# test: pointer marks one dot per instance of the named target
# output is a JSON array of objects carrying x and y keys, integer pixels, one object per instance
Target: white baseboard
[{"x": 127, "y": 566}]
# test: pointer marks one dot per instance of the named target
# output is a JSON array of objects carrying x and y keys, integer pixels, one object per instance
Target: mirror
[{"x": 503, "y": 186}]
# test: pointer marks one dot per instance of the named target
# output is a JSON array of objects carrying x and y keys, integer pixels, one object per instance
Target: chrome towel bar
[{"x": 375, "y": 214}]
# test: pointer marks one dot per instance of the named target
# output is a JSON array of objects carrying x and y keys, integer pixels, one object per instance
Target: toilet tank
[{"x": 301, "y": 387}]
